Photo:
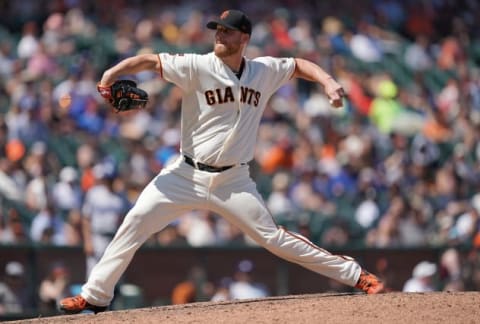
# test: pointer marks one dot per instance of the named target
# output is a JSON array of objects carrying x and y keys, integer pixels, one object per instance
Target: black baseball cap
[{"x": 232, "y": 19}]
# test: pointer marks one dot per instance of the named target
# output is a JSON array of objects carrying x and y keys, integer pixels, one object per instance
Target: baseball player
[{"x": 224, "y": 95}]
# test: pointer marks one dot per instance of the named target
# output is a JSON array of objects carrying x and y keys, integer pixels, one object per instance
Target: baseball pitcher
[{"x": 224, "y": 96}]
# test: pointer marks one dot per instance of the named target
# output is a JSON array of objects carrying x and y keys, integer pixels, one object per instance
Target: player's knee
[
  {"x": 272, "y": 240},
  {"x": 282, "y": 243},
  {"x": 133, "y": 222}
]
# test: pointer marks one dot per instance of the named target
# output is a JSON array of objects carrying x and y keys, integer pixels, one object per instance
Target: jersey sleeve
[
  {"x": 279, "y": 70},
  {"x": 178, "y": 69}
]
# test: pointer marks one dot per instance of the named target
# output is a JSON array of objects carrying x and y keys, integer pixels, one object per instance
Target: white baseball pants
[{"x": 232, "y": 194}]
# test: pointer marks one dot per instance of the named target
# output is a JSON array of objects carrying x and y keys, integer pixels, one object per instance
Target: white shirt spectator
[
  {"x": 278, "y": 202},
  {"x": 367, "y": 213},
  {"x": 246, "y": 290},
  {"x": 27, "y": 46},
  {"x": 198, "y": 229},
  {"x": 416, "y": 56},
  {"x": 104, "y": 208},
  {"x": 422, "y": 278},
  {"x": 45, "y": 220},
  {"x": 243, "y": 286},
  {"x": 365, "y": 49},
  {"x": 66, "y": 193}
]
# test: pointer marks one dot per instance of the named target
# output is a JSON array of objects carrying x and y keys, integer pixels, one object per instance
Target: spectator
[
  {"x": 85, "y": 157},
  {"x": 222, "y": 290},
  {"x": 184, "y": 293},
  {"x": 337, "y": 234},
  {"x": 170, "y": 148},
  {"x": 48, "y": 227},
  {"x": 171, "y": 236},
  {"x": 450, "y": 271},
  {"x": 36, "y": 196},
  {"x": 302, "y": 193},
  {"x": 422, "y": 279},
  {"x": 6, "y": 234},
  {"x": 414, "y": 225},
  {"x": 102, "y": 210},
  {"x": 195, "y": 287},
  {"x": 277, "y": 157},
  {"x": 66, "y": 193},
  {"x": 279, "y": 202},
  {"x": 53, "y": 287},
  {"x": 451, "y": 54},
  {"x": 364, "y": 45},
  {"x": 471, "y": 268},
  {"x": 448, "y": 99},
  {"x": 243, "y": 285},
  {"x": 368, "y": 211},
  {"x": 10, "y": 180},
  {"x": 14, "y": 297},
  {"x": 29, "y": 43},
  {"x": 385, "y": 107},
  {"x": 73, "y": 228},
  {"x": 417, "y": 54},
  {"x": 15, "y": 231},
  {"x": 199, "y": 228},
  {"x": 385, "y": 234}
]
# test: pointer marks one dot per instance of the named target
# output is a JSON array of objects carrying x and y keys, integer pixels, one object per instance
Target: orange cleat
[
  {"x": 370, "y": 283},
  {"x": 78, "y": 304}
]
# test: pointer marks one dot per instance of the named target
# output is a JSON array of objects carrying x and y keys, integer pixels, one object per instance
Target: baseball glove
[{"x": 124, "y": 95}]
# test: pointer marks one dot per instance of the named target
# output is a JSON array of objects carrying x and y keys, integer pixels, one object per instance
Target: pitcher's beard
[{"x": 224, "y": 51}]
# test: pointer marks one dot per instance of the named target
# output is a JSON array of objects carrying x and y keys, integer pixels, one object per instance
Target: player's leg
[
  {"x": 244, "y": 207},
  {"x": 100, "y": 243},
  {"x": 163, "y": 199}
]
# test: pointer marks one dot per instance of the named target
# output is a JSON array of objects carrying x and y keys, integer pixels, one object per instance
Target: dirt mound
[{"x": 439, "y": 307}]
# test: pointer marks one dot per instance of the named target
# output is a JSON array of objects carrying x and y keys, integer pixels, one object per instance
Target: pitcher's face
[{"x": 228, "y": 41}]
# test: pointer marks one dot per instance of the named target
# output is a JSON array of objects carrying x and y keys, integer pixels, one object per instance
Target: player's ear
[{"x": 245, "y": 38}]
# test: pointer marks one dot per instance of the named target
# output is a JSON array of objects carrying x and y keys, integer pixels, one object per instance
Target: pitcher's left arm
[{"x": 310, "y": 71}]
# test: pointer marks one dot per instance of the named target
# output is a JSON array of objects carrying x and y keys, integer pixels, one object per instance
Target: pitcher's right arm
[{"x": 131, "y": 65}]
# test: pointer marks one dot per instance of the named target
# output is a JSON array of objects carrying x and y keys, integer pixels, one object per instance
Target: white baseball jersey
[{"x": 221, "y": 113}]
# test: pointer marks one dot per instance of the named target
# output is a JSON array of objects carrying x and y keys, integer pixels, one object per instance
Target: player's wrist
[
  {"x": 104, "y": 90},
  {"x": 329, "y": 78}
]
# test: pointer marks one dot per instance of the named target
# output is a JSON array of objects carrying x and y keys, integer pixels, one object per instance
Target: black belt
[{"x": 204, "y": 167}]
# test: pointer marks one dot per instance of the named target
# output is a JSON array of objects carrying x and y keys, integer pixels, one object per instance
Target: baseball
[{"x": 65, "y": 101}]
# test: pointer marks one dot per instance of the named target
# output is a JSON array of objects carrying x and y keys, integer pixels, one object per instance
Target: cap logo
[{"x": 225, "y": 14}]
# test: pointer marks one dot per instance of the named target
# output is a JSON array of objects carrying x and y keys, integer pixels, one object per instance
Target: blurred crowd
[{"x": 397, "y": 166}]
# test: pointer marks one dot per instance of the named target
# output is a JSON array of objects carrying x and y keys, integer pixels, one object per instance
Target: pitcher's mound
[{"x": 439, "y": 307}]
